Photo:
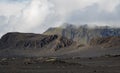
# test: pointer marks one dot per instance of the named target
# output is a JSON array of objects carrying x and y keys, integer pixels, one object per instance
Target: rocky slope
[
  {"x": 69, "y": 41},
  {"x": 83, "y": 34},
  {"x": 33, "y": 41},
  {"x": 106, "y": 42}
]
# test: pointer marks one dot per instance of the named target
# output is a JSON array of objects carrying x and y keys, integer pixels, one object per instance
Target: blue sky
[{"x": 38, "y": 15}]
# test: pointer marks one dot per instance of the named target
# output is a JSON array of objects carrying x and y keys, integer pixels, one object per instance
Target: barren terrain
[{"x": 106, "y": 64}]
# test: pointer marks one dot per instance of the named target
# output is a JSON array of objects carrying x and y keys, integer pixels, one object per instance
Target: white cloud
[
  {"x": 33, "y": 15},
  {"x": 108, "y": 6},
  {"x": 38, "y": 15},
  {"x": 24, "y": 17},
  {"x": 8, "y": 9}
]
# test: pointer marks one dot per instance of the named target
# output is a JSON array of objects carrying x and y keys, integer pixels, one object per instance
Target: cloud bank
[{"x": 38, "y": 15}]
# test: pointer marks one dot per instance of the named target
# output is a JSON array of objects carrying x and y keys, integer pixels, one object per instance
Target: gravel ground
[{"x": 76, "y": 65}]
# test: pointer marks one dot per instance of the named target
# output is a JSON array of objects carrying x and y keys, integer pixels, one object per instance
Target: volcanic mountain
[
  {"x": 83, "y": 34},
  {"x": 106, "y": 42},
  {"x": 33, "y": 41},
  {"x": 15, "y": 41},
  {"x": 69, "y": 41}
]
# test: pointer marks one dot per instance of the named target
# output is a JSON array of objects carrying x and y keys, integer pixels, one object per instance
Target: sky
[{"x": 36, "y": 16}]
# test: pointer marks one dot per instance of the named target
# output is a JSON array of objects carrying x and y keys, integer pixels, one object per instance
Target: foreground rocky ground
[{"x": 106, "y": 64}]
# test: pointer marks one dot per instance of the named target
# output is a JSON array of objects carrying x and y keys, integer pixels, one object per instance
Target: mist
[{"x": 37, "y": 16}]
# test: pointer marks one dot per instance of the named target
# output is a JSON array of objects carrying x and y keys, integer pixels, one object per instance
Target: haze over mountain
[
  {"x": 59, "y": 36},
  {"x": 68, "y": 41},
  {"x": 83, "y": 34}
]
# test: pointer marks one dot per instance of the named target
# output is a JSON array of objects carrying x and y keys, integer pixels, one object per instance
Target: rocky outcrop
[
  {"x": 61, "y": 43},
  {"x": 83, "y": 34},
  {"x": 106, "y": 42},
  {"x": 32, "y": 41}
]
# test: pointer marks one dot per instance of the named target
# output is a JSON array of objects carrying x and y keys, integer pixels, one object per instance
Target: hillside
[
  {"x": 33, "y": 41},
  {"x": 106, "y": 42},
  {"x": 83, "y": 34},
  {"x": 29, "y": 44}
]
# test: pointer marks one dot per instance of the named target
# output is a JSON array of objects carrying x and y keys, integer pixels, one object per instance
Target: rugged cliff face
[
  {"x": 106, "y": 42},
  {"x": 29, "y": 44},
  {"x": 83, "y": 34},
  {"x": 63, "y": 42},
  {"x": 33, "y": 41}
]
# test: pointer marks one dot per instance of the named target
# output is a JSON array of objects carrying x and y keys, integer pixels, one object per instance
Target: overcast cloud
[{"x": 38, "y": 15}]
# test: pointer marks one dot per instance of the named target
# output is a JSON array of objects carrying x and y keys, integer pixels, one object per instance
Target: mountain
[
  {"x": 33, "y": 41},
  {"x": 106, "y": 42},
  {"x": 30, "y": 44},
  {"x": 68, "y": 41},
  {"x": 83, "y": 34}
]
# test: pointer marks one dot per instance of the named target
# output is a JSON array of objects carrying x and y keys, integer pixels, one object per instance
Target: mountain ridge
[
  {"x": 62, "y": 42},
  {"x": 83, "y": 34},
  {"x": 30, "y": 40}
]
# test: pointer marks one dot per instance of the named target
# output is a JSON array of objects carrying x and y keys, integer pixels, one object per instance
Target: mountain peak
[{"x": 84, "y": 33}]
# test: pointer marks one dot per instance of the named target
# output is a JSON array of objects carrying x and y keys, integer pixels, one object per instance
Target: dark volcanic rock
[
  {"x": 83, "y": 34},
  {"x": 62, "y": 42},
  {"x": 32, "y": 41},
  {"x": 106, "y": 42}
]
